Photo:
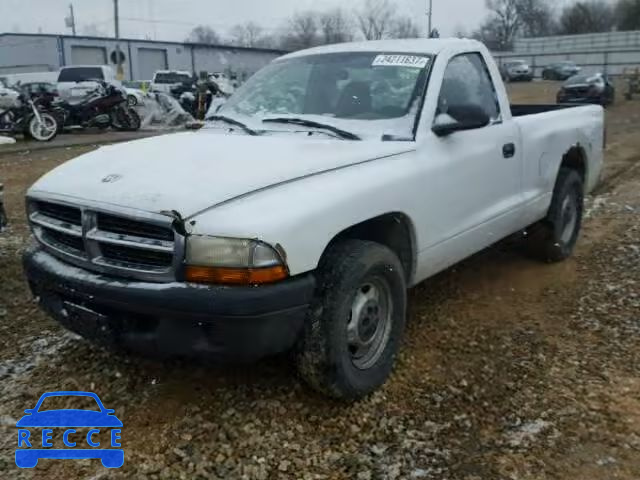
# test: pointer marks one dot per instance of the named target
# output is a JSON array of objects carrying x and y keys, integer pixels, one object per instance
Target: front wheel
[
  {"x": 554, "y": 238},
  {"x": 43, "y": 130},
  {"x": 356, "y": 321}
]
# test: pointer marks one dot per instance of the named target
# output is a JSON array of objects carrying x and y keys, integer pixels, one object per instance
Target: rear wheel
[
  {"x": 554, "y": 238},
  {"x": 356, "y": 320},
  {"x": 125, "y": 119}
]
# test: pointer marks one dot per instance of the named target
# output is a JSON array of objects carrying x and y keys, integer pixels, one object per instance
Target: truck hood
[{"x": 193, "y": 171}]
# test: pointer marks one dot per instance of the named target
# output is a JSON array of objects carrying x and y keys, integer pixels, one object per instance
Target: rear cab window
[
  {"x": 169, "y": 78},
  {"x": 81, "y": 74}
]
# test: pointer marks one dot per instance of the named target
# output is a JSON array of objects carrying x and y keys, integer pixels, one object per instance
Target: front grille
[
  {"x": 135, "y": 256},
  {"x": 578, "y": 92},
  {"x": 70, "y": 244},
  {"x": 63, "y": 213},
  {"x": 125, "y": 226},
  {"x": 108, "y": 242}
]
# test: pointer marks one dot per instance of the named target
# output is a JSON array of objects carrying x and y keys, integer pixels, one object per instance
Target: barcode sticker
[{"x": 401, "y": 61}]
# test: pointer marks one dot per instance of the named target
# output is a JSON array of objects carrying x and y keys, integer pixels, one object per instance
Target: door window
[{"x": 467, "y": 82}]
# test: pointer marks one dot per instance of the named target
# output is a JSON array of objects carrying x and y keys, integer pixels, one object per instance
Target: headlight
[{"x": 232, "y": 261}]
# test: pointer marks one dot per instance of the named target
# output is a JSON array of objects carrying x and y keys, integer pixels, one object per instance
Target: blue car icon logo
[{"x": 62, "y": 424}]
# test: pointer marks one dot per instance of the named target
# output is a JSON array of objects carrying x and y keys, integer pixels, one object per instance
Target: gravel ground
[{"x": 510, "y": 369}]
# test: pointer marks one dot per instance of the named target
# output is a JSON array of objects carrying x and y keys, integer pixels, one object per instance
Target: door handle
[{"x": 509, "y": 150}]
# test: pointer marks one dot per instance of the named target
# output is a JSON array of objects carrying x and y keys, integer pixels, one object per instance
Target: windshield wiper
[
  {"x": 310, "y": 123},
  {"x": 234, "y": 122}
]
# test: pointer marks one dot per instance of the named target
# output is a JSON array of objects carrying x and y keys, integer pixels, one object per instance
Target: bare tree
[
  {"x": 204, "y": 34},
  {"x": 591, "y": 16},
  {"x": 375, "y": 19},
  {"x": 503, "y": 23},
  {"x": 301, "y": 31},
  {"x": 405, "y": 27},
  {"x": 335, "y": 26},
  {"x": 536, "y": 17},
  {"x": 248, "y": 34},
  {"x": 628, "y": 15}
]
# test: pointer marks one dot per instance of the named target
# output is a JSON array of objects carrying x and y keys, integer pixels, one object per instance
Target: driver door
[{"x": 475, "y": 175}]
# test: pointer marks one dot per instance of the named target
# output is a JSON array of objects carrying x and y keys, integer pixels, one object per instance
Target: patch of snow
[{"x": 527, "y": 432}]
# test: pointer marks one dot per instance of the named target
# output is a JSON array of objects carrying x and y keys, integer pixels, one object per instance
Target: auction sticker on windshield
[{"x": 401, "y": 61}]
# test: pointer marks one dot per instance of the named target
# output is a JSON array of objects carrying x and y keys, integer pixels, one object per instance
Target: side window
[{"x": 467, "y": 82}]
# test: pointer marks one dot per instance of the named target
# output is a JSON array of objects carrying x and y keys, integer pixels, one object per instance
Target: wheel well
[
  {"x": 393, "y": 230},
  {"x": 575, "y": 159}
]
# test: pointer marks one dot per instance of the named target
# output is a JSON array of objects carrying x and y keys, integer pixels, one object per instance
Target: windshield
[
  {"x": 172, "y": 77},
  {"x": 80, "y": 74},
  {"x": 361, "y": 92}
]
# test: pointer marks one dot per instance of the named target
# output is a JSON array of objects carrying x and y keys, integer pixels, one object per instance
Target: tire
[
  {"x": 129, "y": 120},
  {"x": 45, "y": 132},
  {"x": 554, "y": 238},
  {"x": 329, "y": 358},
  {"x": 132, "y": 101}
]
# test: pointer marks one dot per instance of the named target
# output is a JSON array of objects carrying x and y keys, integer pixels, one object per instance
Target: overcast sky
[{"x": 173, "y": 19}]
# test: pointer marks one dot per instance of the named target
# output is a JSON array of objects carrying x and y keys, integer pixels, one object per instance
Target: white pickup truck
[{"x": 332, "y": 181}]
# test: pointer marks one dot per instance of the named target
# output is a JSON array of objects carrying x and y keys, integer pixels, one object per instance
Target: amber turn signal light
[{"x": 235, "y": 276}]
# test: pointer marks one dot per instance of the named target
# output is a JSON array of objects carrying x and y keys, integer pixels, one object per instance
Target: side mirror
[
  {"x": 29, "y": 411},
  {"x": 109, "y": 411},
  {"x": 459, "y": 118}
]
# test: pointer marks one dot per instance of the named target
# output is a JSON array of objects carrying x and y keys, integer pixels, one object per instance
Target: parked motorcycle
[
  {"x": 20, "y": 113},
  {"x": 104, "y": 107}
]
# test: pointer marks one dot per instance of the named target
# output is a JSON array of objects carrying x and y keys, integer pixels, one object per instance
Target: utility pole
[
  {"x": 116, "y": 18},
  {"x": 429, "y": 18},
  {"x": 71, "y": 21}
]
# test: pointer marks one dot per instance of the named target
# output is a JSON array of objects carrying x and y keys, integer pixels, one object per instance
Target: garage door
[
  {"x": 88, "y": 55},
  {"x": 150, "y": 60}
]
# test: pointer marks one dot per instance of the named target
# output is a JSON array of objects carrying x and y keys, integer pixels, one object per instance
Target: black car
[
  {"x": 595, "y": 88},
  {"x": 560, "y": 71}
]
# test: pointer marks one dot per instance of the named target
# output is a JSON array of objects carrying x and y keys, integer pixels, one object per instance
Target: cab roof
[{"x": 418, "y": 45}]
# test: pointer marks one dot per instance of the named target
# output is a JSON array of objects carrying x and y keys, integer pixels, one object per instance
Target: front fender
[{"x": 302, "y": 217}]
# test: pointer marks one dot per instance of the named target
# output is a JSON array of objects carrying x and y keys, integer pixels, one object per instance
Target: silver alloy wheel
[
  {"x": 43, "y": 130},
  {"x": 569, "y": 216},
  {"x": 132, "y": 101},
  {"x": 369, "y": 326}
]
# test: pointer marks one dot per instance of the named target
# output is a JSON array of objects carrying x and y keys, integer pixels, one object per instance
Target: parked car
[
  {"x": 595, "y": 88},
  {"x": 560, "y": 71},
  {"x": 76, "y": 82},
  {"x": 516, "y": 70},
  {"x": 137, "y": 92},
  {"x": 165, "y": 80},
  {"x": 3, "y": 213},
  {"x": 331, "y": 181}
]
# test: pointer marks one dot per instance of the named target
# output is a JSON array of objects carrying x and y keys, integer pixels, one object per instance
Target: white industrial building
[{"x": 25, "y": 53}]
